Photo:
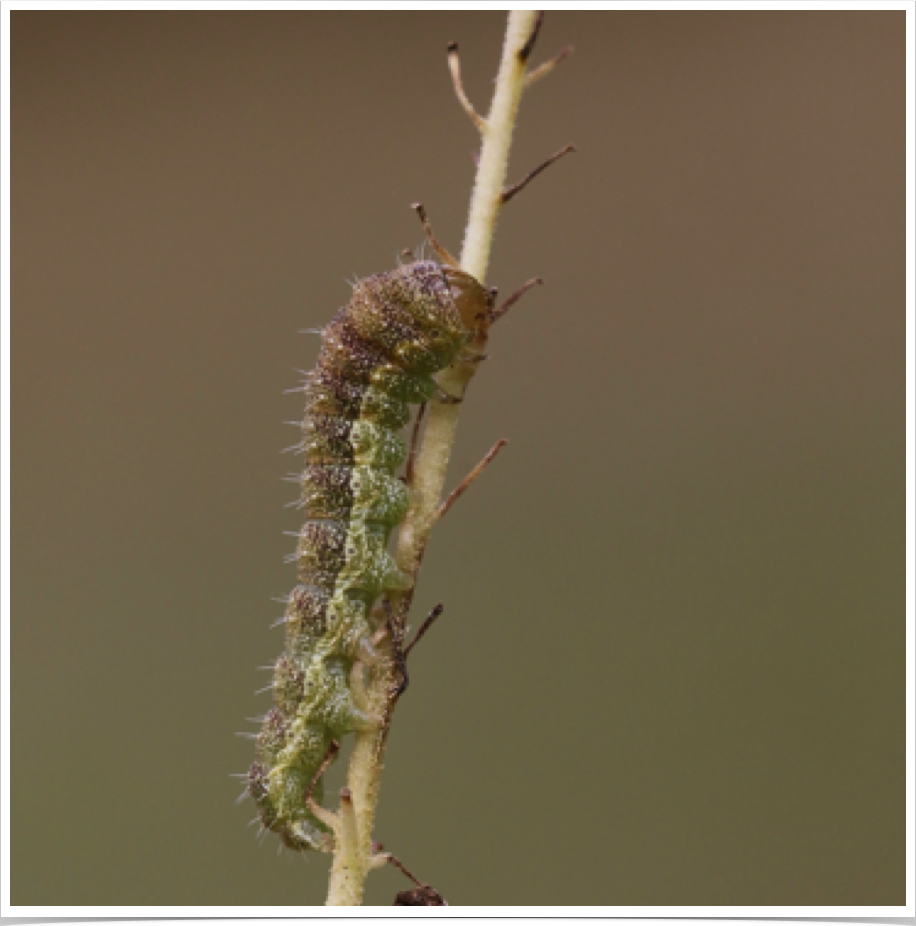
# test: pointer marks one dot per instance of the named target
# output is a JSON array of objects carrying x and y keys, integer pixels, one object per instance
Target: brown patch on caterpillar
[
  {"x": 272, "y": 737},
  {"x": 347, "y": 353},
  {"x": 289, "y": 685},
  {"x": 257, "y": 781},
  {"x": 327, "y": 394},
  {"x": 258, "y": 790},
  {"x": 321, "y": 553},
  {"x": 306, "y": 614},
  {"x": 382, "y": 321},
  {"x": 326, "y": 491},
  {"x": 326, "y": 439}
]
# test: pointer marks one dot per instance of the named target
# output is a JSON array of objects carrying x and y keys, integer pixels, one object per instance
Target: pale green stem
[
  {"x": 439, "y": 436},
  {"x": 354, "y": 843},
  {"x": 348, "y": 872}
]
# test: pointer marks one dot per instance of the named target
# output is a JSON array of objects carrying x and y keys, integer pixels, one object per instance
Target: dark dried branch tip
[
  {"x": 525, "y": 51},
  {"x": 509, "y": 192}
]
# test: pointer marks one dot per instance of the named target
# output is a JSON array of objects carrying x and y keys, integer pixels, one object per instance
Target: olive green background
[{"x": 671, "y": 666}]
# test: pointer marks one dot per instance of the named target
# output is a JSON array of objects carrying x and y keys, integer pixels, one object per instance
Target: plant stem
[
  {"x": 432, "y": 462},
  {"x": 354, "y": 842}
]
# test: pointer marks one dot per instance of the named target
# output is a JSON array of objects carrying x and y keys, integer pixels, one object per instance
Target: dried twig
[
  {"x": 509, "y": 192},
  {"x": 468, "y": 480}
]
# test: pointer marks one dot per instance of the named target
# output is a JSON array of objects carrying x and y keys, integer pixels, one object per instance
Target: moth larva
[{"x": 378, "y": 355}]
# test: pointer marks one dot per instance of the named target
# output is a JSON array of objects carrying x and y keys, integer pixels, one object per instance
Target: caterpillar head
[
  {"x": 448, "y": 310},
  {"x": 473, "y": 301}
]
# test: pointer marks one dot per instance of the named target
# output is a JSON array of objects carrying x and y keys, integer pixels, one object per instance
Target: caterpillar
[{"x": 377, "y": 356}]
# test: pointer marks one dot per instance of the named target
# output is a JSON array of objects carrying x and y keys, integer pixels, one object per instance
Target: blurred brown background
[{"x": 671, "y": 669}]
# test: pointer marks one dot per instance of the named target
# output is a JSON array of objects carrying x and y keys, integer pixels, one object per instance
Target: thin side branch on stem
[
  {"x": 501, "y": 310},
  {"x": 468, "y": 480},
  {"x": 454, "y": 66},
  {"x": 509, "y": 192},
  {"x": 430, "y": 620},
  {"x": 540, "y": 72},
  {"x": 392, "y": 859},
  {"x": 438, "y": 247}
]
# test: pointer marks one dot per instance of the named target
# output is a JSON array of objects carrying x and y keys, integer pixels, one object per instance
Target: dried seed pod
[{"x": 420, "y": 897}]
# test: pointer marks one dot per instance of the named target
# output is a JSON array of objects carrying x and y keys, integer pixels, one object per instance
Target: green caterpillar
[{"x": 378, "y": 356}]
